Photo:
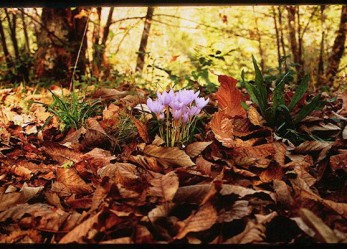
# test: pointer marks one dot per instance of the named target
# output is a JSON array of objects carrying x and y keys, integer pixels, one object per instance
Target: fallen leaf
[
  {"x": 222, "y": 129},
  {"x": 197, "y": 194},
  {"x": 169, "y": 156},
  {"x": 283, "y": 194},
  {"x": 323, "y": 232},
  {"x": 253, "y": 233},
  {"x": 202, "y": 220},
  {"x": 160, "y": 211},
  {"x": 165, "y": 186},
  {"x": 122, "y": 173},
  {"x": 255, "y": 117},
  {"x": 203, "y": 165},
  {"x": 195, "y": 149},
  {"x": 141, "y": 129},
  {"x": 81, "y": 231},
  {"x": 239, "y": 210},
  {"x": 230, "y": 97},
  {"x": 255, "y": 155},
  {"x": 338, "y": 161},
  {"x": 109, "y": 94},
  {"x": 146, "y": 162},
  {"x": 228, "y": 189},
  {"x": 73, "y": 181},
  {"x": 61, "y": 154}
]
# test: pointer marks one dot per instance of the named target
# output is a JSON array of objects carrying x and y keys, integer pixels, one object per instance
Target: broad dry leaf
[
  {"x": 160, "y": 211},
  {"x": 239, "y": 210},
  {"x": 283, "y": 194},
  {"x": 222, "y": 129},
  {"x": 111, "y": 112},
  {"x": 141, "y": 129},
  {"x": 81, "y": 231},
  {"x": 338, "y": 162},
  {"x": 254, "y": 117},
  {"x": 254, "y": 155},
  {"x": 241, "y": 127},
  {"x": 228, "y": 189},
  {"x": 323, "y": 232},
  {"x": 109, "y": 94},
  {"x": 42, "y": 216},
  {"x": 146, "y": 162},
  {"x": 195, "y": 194},
  {"x": 195, "y": 149},
  {"x": 253, "y": 233},
  {"x": 309, "y": 146},
  {"x": 280, "y": 153},
  {"x": 202, "y": 220},
  {"x": 271, "y": 173},
  {"x": 169, "y": 156},
  {"x": 165, "y": 187},
  {"x": 73, "y": 181},
  {"x": 61, "y": 154},
  {"x": 203, "y": 166},
  {"x": 230, "y": 97},
  {"x": 96, "y": 136},
  {"x": 123, "y": 173}
]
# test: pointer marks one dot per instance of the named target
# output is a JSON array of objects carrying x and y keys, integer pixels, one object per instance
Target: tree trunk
[
  {"x": 59, "y": 43},
  {"x": 260, "y": 47},
  {"x": 12, "y": 24},
  {"x": 278, "y": 45},
  {"x": 320, "y": 70},
  {"x": 4, "y": 48},
  {"x": 97, "y": 59},
  {"x": 337, "y": 49},
  {"x": 282, "y": 36},
  {"x": 297, "y": 55},
  {"x": 144, "y": 39},
  {"x": 25, "y": 30}
]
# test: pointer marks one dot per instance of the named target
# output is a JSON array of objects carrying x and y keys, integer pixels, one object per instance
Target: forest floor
[{"x": 236, "y": 182}]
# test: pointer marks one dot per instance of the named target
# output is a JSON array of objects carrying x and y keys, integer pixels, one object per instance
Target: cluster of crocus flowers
[{"x": 177, "y": 112}]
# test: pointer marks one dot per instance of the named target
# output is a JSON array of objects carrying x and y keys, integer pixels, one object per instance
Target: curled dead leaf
[
  {"x": 230, "y": 97},
  {"x": 222, "y": 129},
  {"x": 73, "y": 181},
  {"x": 165, "y": 187},
  {"x": 169, "y": 156},
  {"x": 195, "y": 149}
]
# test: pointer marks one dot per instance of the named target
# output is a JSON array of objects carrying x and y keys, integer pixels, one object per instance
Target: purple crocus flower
[
  {"x": 176, "y": 114},
  {"x": 166, "y": 97},
  {"x": 187, "y": 96},
  {"x": 194, "y": 110},
  {"x": 201, "y": 102},
  {"x": 156, "y": 107}
]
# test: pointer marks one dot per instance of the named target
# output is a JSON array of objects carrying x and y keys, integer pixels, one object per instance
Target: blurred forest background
[{"x": 159, "y": 46}]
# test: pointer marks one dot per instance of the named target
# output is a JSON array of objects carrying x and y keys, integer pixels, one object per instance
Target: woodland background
[{"x": 159, "y": 46}]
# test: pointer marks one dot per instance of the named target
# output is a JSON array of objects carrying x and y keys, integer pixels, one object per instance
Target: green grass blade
[
  {"x": 307, "y": 109},
  {"x": 299, "y": 93}
]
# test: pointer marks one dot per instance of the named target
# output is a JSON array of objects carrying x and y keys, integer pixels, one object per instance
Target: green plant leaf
[
  {"x": 299, "y": 93},
  {"x": 307, "y": 109},
  {"x": 259, "y": 82}
]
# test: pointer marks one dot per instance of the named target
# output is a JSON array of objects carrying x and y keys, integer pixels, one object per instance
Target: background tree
[{"x": 59, "y": 43}]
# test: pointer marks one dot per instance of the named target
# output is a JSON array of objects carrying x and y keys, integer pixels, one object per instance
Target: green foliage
[
  {"x": 277, "y": 113},
  {"x": 72, "y": 111}
]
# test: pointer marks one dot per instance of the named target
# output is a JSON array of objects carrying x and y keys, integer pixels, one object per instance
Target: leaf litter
[{"x": 236, "y": 183}]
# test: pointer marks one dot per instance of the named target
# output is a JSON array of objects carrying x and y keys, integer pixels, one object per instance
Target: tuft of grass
[
  {"x": 72, "y": 111},
  {"x": 271, "y": 103}
]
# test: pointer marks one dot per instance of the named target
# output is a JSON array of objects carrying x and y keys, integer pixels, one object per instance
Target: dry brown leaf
[
  {"x": 38, "y": 215},
  {"x": 122, "y": 173},
  {"x": 195, "y": 149},
  {"x": 111, "y": 112},
  {"x": 323, "y": 232},
  {"x": 228, "y": 189},
  {"x": 283, "y": 194},
  {"x": 239, "y": 210},
  {"x": 255, "y": 155},
  {"x": 222, "y": 129},
  {"x": 253, "y": 233},
  {"x": 19, "y": 236},
  {"x": 96, "y": 136},
  {"x": 280, "y": 153},
  {"x": 314, "y": 145},
  {"x": 61, "y": 153},
  {"x": 169, "y": 156},
  {"x": 241, "y": 127},
  {"x": 109, "y": 94},
  {"x": 196, "y": 194},
  {"x": 254, "y": 116},
  {"x": 271, "y": 173},
  {"x": 165, "y": 186},
  {"x": 142, "y": 235},
  {"x": 203, "y": 165},
  {"x": 160, "y": 211},
  {"x": 202, "y": 220},
  {"x": 81, "y": 231},
  {"x": 73, "y": 181},
  {"x": 338, "y": 162},
  {"x": 146, "y": 162},
  {"x": 230, "y": 97},
  {"x": 141, "y": 129}
]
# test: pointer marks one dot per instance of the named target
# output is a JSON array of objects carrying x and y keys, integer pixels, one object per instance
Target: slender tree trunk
[
  {"x": 320, "y": 70},
  {"x": 337, "y": 49},
  {"x": 278, "y": 45},
  {"x": 25, "y": 30},
  {"x": 12, "y": 26},
  {"x": 144, "y": 39},
  {"x": 4, "y": 48},
  {"x": 105, "y": 64},
  {"x": 282, "y": 36},
  {"x": 96, "y": 46},
  {"x": 260, "y": 47},
  {"x": 292, "y": 12}
]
